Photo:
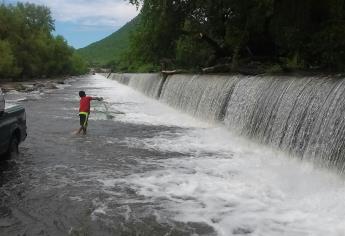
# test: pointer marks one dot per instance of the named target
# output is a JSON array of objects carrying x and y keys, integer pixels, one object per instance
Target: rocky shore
[{"x": 30, "y": 86}]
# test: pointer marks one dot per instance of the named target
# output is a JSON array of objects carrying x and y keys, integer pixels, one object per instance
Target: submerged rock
[
  {"x": 20, "y": 87},
  {"x": 30, "y": 89},
  {"x": 50, "y": 86},
  {"x": 39, "y": 85}
]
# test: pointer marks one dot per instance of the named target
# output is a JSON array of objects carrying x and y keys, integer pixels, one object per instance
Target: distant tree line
[
  {"x": 28, "y": 49},
  {"x": 283, "y": 34}
]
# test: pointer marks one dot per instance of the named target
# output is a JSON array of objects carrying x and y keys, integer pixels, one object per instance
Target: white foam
[
  {"x": 195, "y": 141},
  {"x": 100, "y": 209},
  {"x": 77, "y": 198},
  {"x": 239, "y": 186},
  {"x": 229, "y": 183}
]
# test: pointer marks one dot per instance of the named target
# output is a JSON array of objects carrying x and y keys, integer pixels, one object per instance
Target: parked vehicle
[
  {"x": 12, "y": 128},
  {"x": 2, "y": 102}
]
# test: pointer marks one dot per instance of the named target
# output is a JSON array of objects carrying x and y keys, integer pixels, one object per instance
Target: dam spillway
[{"x": 301, "y": 116}]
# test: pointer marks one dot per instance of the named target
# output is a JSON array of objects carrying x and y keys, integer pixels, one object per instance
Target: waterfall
[
  {"x": 204, "y": 97},
  {"x": 301, "y": 116},
  {"x": 121, "y": 78},
  {"x": 149, "y": 84}
]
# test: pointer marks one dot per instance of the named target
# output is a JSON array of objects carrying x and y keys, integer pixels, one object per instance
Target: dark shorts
[{"x": 83, "y": 119}]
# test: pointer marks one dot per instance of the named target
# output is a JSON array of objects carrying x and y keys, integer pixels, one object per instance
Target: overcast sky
[{"x": 83, "y": 22}]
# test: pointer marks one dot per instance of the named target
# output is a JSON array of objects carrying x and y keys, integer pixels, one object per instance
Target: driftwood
[
  {"x": 247, "y": 69},
  {"x": 220, "y": 68},
  {"x": 172, "y": 72}
]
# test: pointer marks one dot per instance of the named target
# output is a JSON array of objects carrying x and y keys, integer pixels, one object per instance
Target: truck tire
[{"x": 13, "y": 149}]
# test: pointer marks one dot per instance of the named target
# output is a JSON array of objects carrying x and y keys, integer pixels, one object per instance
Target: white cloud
[{"x": 102, "y": 13}]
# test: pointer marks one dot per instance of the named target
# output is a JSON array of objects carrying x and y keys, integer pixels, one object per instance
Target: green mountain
[{"x": 109, "y": 48}]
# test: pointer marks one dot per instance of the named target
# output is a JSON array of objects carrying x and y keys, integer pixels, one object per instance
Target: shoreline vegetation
[
  {"x": 263, "y": 37},
  {"x": 28, "y": 48},
  {"x": 247, "y": 37}
]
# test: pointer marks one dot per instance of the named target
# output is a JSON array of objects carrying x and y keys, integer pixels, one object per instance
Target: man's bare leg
[{"x": 80, "y": 129}]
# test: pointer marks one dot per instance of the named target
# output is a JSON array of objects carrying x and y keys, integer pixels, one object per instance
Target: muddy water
[{"x": 151, "y": 170}]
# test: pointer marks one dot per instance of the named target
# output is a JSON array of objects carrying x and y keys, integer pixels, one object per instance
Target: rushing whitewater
[
  {"x": 145, "y": 168},
  {"x": 223, "y": 183},
  {"x": 301, "y": 116}
]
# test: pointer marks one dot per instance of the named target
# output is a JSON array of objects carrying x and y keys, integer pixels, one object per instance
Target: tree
[
  {"x": 28, "y": 48},
  {"x": 7, "y": 61},
  {"x": 302, "y": 34}
]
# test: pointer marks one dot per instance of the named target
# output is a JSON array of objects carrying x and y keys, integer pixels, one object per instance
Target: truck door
[
  {"x": 4, "y": 133},
  {"x": 4, "y": 126}
]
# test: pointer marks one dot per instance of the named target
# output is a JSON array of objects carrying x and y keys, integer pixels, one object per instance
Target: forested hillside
[
  {"x": 276, "y": 35},
  {"x": 28, "y": 48},
  {"x": 109, "y": 50}
]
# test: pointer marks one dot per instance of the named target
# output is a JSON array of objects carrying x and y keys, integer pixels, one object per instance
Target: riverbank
[{"x": 32, "y": 85}]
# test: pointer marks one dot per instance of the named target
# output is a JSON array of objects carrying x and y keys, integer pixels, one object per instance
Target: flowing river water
[{"x": 147, "y": 169}]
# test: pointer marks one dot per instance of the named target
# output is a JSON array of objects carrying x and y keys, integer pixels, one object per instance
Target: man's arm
[{"x": 97, "y": 98}]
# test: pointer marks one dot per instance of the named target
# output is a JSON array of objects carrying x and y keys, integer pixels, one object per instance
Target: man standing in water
[{"x": 84, "y": 110}]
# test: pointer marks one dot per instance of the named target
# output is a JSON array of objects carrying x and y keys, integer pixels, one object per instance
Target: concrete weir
[{"x": 301, "y": 116}]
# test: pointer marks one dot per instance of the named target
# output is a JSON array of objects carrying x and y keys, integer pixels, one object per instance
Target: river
[{"x": 147, "y": 169}]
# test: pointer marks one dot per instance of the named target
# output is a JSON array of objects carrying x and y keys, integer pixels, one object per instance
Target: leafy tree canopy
[
  {"x": 197, "y": 33},
  {"x": 28, "y": 48}
]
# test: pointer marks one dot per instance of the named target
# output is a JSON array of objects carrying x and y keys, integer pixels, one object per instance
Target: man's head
[{"x": 82, "y": 94}]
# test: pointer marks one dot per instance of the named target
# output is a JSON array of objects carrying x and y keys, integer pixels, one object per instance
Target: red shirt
[{"x": 85, "y": 104}]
